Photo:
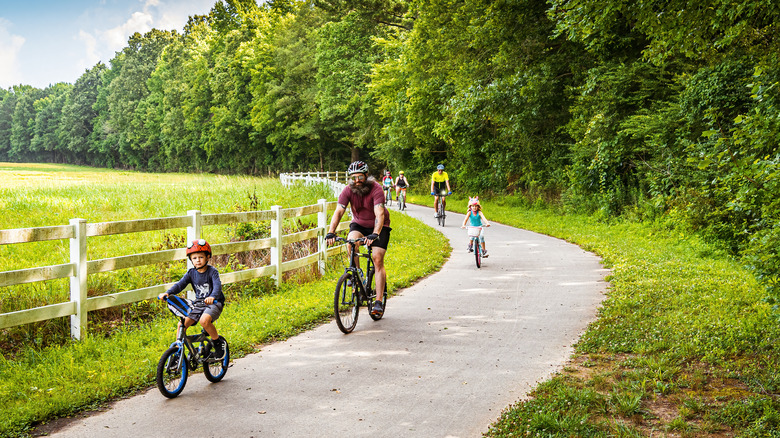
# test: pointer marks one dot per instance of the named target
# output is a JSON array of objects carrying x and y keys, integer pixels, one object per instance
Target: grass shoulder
[{"x": 683, "y": 344}]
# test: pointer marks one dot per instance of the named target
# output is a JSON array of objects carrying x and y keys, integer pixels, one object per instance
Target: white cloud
[
  {"x": 92, "y": 55},
  {"x": 10, "y": 47}
]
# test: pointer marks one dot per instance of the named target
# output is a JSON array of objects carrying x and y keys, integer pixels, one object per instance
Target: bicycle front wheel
[
  {"x": 215, "y": 370},
  {"x": 172, "y": 372},
  {"x": 442, "y": 214},
  {"x": 477, "y": 253},
  {"x": 402, "y": 201},
  {"x": 346, "y": 303}
]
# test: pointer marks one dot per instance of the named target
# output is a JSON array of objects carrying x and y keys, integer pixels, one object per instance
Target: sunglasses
[
  {"x": 358, "y": 177},
  {"x": 200, "y": 242}
]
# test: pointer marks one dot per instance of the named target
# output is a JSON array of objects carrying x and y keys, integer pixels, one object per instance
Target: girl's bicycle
[
  {"x": 402, "y": 200},
  {"x": 354, "y": 290},
  {"x": 475, "y": 243},
  {"x": 186, "y": 353}
]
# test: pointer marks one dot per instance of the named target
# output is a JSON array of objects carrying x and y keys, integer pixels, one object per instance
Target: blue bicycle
[{"x": 187, "y": 353}]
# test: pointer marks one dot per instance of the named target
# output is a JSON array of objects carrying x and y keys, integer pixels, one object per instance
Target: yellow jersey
[{"x": 436, "y": 178}]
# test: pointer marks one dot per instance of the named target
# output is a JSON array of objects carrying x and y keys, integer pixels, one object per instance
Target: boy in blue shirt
[{"x": 209, "y": 299}]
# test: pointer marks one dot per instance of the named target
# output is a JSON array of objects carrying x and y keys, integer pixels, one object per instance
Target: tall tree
[{"x": 78, "y": 117}]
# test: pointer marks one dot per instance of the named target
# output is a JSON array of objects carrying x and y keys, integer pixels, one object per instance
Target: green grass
[
  {"x": 41, "y": 383},
  {"x": 683, "y": 344}
]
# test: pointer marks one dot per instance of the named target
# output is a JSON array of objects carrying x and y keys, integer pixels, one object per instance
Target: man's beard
[{"x": 364, "y": 188}]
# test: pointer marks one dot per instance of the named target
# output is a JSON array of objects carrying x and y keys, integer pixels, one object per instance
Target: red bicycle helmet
[{"x": 199, "y": 245}]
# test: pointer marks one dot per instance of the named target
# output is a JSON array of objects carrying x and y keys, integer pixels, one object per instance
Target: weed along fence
[{"x": 78, "y": 232}]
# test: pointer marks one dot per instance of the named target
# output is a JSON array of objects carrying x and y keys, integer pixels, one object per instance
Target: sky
[{"x": 43, "y": 42}]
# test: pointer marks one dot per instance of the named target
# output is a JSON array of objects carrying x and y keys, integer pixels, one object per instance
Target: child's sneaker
[
  {"x": 484, "y": 254},
  {"x": 219, "y": 349},
  {"x": 470, "y": 248}
]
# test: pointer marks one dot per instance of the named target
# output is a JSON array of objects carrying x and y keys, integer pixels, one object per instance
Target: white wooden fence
[
  {"x": 331, "y": 179},
  {"x": 79, "y": 267}
]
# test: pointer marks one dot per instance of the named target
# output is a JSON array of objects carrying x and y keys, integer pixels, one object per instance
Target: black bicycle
[
  {"x": 354, "y": 290},
  {"x": 441, "y": 213},
  {"x": 185, "y": 354}
]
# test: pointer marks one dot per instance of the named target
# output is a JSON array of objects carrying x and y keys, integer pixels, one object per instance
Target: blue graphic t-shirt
[{"x": 206, "y": 284}]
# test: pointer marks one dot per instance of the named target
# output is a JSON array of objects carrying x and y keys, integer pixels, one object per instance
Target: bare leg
[
  {"x": 208, "y": 325},
  {"x": 378, "y": 256}
]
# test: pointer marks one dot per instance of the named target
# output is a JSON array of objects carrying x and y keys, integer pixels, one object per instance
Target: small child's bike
[
  {"x": 186, "y": 353},
  {"x": 475, "y": 244}
]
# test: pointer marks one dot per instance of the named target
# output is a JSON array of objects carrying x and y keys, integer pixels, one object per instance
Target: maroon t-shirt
[{"x": 363, "y": 206}]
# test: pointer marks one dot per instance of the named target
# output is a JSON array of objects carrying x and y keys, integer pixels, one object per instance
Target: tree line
[{"x": 657, "y": 109}]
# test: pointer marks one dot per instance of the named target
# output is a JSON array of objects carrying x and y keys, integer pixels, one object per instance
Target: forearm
[{"x": 334, "y": 221}]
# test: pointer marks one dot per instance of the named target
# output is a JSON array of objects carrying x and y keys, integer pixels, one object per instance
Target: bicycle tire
[
  {"x": 401, "y": 201},
  {"x": 172, "y": 372},
  {"x": 384, "y": 303},
  {"x": 388, "y": 198},
  {"x": 442, "y": 213},
  {"x": 346, "y": 303},
  {"x": 477, "y": 253},
  {"x": 215, "y": 371}
]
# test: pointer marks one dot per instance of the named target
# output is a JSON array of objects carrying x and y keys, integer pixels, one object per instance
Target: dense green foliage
[{"x": 648, "y": 108}]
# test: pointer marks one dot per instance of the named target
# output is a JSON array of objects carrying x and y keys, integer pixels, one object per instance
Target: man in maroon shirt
[{"x": 370, "y": 219}]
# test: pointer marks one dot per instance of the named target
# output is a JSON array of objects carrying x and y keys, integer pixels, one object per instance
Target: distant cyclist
[
  {"x": 387, "y": 184},
  {"x": 401, "y": 183},
  {"x": 370, "y": 219},
  {"x": 439, "y": 181}
]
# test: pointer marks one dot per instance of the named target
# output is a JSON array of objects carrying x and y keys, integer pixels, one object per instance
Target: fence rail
[
  {"x": 330, "y": 179},
  {"x": 79, "y": 267}
]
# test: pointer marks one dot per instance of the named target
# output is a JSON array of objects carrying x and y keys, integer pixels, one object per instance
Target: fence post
[
  {"x": 78, "y": 282},
  {"x": 322, "y": 225},
  {"x": 193, "y": 233},
  {"x": 276, "y": 235}
]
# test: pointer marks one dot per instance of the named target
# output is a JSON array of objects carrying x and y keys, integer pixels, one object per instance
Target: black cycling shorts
[{"x": 384, "y": 236}]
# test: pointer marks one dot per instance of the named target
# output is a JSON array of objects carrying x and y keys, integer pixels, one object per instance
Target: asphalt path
[{"x": 450, "y": 354}]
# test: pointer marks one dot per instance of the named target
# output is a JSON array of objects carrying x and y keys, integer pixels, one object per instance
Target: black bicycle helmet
[{"x": 357, "y": 167}]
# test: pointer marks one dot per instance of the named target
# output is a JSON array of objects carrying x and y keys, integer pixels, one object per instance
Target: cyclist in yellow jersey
[{"x": 439, "y": 181}]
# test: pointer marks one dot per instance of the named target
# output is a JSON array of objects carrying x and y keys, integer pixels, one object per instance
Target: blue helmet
[{"x": 440, "y": 167}]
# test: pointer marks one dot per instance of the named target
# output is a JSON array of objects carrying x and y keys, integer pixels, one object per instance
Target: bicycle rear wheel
[
  {"x": 172, "y": 372},
  {"x": 216, "y": 370},
  {"x": 346, "y": 303}
]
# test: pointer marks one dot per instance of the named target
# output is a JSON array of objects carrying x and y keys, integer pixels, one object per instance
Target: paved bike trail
[{"x": 451, "y": 353}]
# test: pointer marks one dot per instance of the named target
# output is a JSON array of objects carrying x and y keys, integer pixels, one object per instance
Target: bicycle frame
[
  {"x": 441, "y": 211},
  {"x": 354, "y": 267},
  {"x": 195, "y": 355},
  {"x": 474, "y": 233}
]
